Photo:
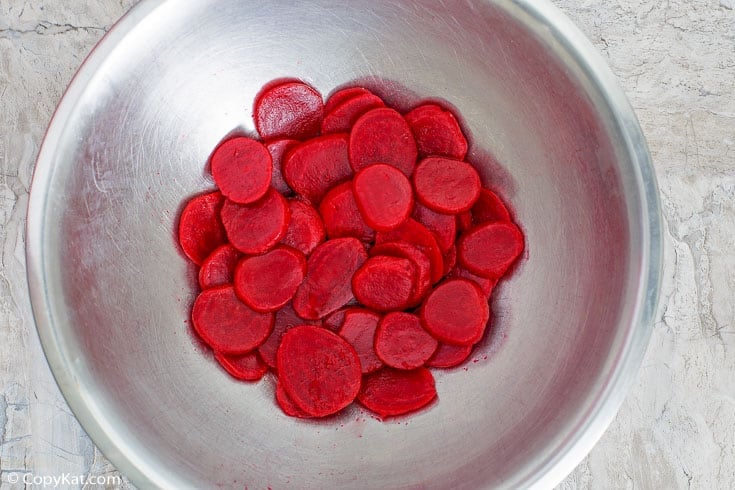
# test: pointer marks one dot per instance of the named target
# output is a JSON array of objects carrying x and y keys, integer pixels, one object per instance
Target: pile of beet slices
[{"x": 349, "y": 249}]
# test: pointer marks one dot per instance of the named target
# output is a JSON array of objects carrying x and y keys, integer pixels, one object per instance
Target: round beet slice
[
  {"x": 227, "y": 324},
  {"x": 342, "y": 95},
  {"x": 464, "y": 221},
  {"x": 278, "y": 150},
  {"x": 390, "y": 392},
  {"x": 384, "y": 196},
  {"x": 486, "y": 284},
  {"x": 305, "y": 228},
  {"x": 245, "y": 367},
  {"x": 288, "y": 110},
  {"x": 358, "y": 328},
  {"x": 416, "y": 234},
  {"x": 242, "y": 169},
  {"x": 318, "y": 369},
  {"x": 219, "y": 268},
  {"x": 287, "y": 405},
  {"x": 327, "y": 285},
  {"x": 385, "y": 283},
  {"x": 415, "y": 255},
  {"x": 401, "y": 342},
  {"x": 447, "y": 356},
  {"x": 343, "y": 117},
  {"x": 200, "y": 228},
  {"x": 382, "y": 136},
  {"x": 443, "y": 226},
  {"x": 269, "y": 281},
  {"x": 256, "y": 228},
  {"x": 445, "y": 185},
  {"x": 341, "y": 215},
  {"x": 456, "y": 312},
  {"x": 317, "y": 165},
  {"x": 489, "y": 207},
  {"x": 286, "y": 319},
  {"x": 437, "y": 132},
  {"x": 489, "y": 249}
]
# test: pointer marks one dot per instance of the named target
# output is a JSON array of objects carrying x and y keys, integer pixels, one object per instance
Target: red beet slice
[
  {"x": 358, "y": 328},
  {"x": 255, "y": 228},
  {"x": 219, "y": 268},
  {"x": 447, "y": 356},
  {"x": 382, "y": 136},
  {"x": 384, "y": 196},
  {"x": 342, "y": 95},
  {"x": 286, "y": 319},
  {"x": 445, "y": 185},
  {"x": 318, "y": 369},
  {"x": 489, "y": 207},
  {"x": 415, "y": 255},
  {"x": 456, "y": 312},
  {"x": 486, "y": 284},
  {"x": 450, "y": 259},
  {"x": 341, "y": 215},
  {"x": 437, "y": 132},
  {"x": 385, "y": 283},
  {"x": 287, "y": 405},
  {"x": 242, "y": 169},
  {"x": 418, "y": 235},
  {"x": 269, "y": 281},
  {"x": 464, "y": 221},
  {"x": 289, "y": 110},
  {"x": 227, "y": 324},
  {"x": 246, "y": 367},
  {"x": 305, "y": 229},
  {"x": 401, "y": 342},
  {"x": 390, "y": 392},
  {"x": 343, "y": 117},
  {"x": 489, "y": 249},
  {"x": 200, "y": 228},
  {"x": 443, "y": 226},
  {"x": 278, "y": 150},
  {"x": 327, "y": 285},
  {"x": 314, "y": 167}
]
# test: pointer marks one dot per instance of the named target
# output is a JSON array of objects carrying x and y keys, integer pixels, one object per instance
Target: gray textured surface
[{"x": 676, "y": 60}]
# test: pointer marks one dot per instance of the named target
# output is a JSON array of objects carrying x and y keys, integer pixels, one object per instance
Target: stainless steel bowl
[{"x": 111, "y": 291}]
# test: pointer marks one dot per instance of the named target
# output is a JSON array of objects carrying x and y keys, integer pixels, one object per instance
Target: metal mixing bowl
[{"x": 111, "y": 291}]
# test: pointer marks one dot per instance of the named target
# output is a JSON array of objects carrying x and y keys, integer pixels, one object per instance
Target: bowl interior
[{"x": 132, "y": 145}]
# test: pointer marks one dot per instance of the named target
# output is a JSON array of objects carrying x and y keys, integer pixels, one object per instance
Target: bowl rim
[{"x": 571, "y": 451}]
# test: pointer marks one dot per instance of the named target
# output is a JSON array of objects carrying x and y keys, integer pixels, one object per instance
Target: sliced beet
[
  {"x": 334, "y": 320},
  {"x": 419, "y": 259},
  {"x": 390, "y": 392},
  {"x": 358, "y": 328},
  {"x": 443, "y": 226},
  {"x": 489, "y": 249},
  {"x": 278, "y": 150},
  {"x": 401, "y": 342},
  {"x": 256, "y": 228},
  {"x": 286, "y": 319},
  {"x": 450, "y": 259},
  {"x": 227, "y": 324},
  {"x": 486, "y": 284},
  {"x": 317, "y": 165},
  {"x": 269, "y": 281},
  {"x": 385, "y": 283},
  {"x": 418, "y": 235},
  {"x": 445, "y": 185},
  {"x": 288, "y": 110},
  {"x": 437, "y": 132},
  {"x": 341, "y": 215},
  {"x": 447, "y": 356},
  {"x": 327, "y": 285},
  {"x": 242, "y": 169},
  {"x": 245, "y": 367},
  {"x": 456, "y": 312},
  {"x": 219, "y": 268},
  {"x": 200, "y": 228},
  {"x": 287, "y": 405},
  {"x": 342, "y": 95},
  {"x": 464, "y": 221},
  {"x": 384, "y": 196},
  {"x": 343, "y": 117},
  {"x": 305, "y": 228},
  {"x": 318, "y": 369},
  {"x": 489, "y": 207},
  {"x": 382, "y": 136}
]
